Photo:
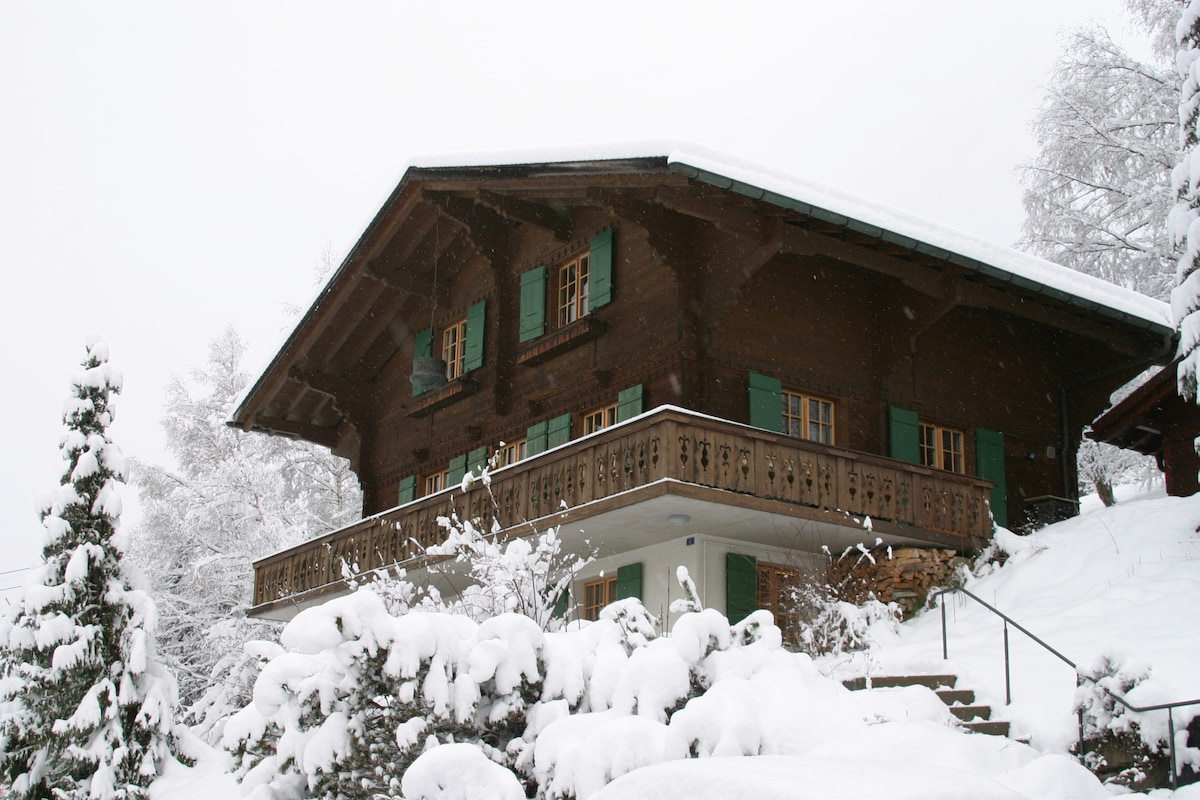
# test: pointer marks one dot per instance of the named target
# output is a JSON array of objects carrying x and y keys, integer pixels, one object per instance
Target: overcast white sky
[{"x": 167, "y": 169}]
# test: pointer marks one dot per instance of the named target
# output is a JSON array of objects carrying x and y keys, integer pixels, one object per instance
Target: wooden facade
[
  {"x": 706, "y": 294},
  {"x": 1155, "y": 421}
]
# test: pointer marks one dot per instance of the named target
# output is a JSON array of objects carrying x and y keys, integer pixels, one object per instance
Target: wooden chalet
[{"x": 685, "y": 360}]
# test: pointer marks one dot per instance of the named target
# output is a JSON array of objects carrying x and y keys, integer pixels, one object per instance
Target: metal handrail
[{"x": 1079, "y": 677}]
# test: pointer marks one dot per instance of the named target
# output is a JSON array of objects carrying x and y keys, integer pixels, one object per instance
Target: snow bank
[{"x": 1126, "y": 576}]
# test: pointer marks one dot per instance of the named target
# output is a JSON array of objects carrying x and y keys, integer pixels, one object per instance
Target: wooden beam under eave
[
  {"x": 671, "y": 234},
  {"x": 411, "y": 214},
  {"x": 381, "y": 321},
  {"x": 474, "y": 218},
  {"x": 924, "y": 279},
  {"x": 368, "y": 294},
  {"x": 311, "y": 328},
  {"x": 326, "y": 383},
  {"x": 325, "y": 437},
  {"x": 1041, "y": 310},
  {"x": 733, "y": 218},
  {"x": 530, "y": 213}
]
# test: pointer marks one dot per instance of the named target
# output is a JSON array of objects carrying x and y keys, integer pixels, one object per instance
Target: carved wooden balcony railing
[{"x": 668, "y": 444}]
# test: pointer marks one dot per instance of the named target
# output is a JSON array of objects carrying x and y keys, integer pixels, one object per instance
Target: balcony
[{"x": 617, "y": 484}]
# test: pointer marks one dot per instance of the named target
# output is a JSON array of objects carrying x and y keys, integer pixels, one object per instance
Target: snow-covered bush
[
  {"x": 1117, "y": 749},
  {"x": 830, "y": 626},
  {"x": 362, "y": 702},
  {"x": 825, "y": 619},
  {"x": 1110, "y": 674},
  {"x": 526, "y": 575}
]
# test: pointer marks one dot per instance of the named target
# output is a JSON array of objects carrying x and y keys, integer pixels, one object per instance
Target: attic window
[
  {"x": 573, "y": 294},
  {"x": 559, "y": 297},
  {"x": 454, "y": 348}
]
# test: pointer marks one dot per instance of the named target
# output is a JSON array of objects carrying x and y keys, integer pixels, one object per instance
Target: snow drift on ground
[{"x": 1122, "y": 582}]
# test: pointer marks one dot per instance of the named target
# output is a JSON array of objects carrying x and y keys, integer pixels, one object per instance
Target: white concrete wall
[{"x": 704, "y": 557}]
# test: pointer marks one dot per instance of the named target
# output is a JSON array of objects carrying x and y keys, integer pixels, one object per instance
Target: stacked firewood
[{"x": 905, "y": 576}]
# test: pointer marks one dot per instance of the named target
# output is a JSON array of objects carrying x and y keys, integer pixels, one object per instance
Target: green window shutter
[
  {"x": 458, "y": 468},
  {"x": 558, "y": 431},
  {"x": 560, "y": 605},
  {"x": 629, "y": 581},
  {"x": 629, "y": 403},
  {"x": 600, "y": 270},
  {"x": 476, "y": 324},
  {"x": 989, "y": 459},
  {"x": 533, "y": 304},
  {"x": 905, "y": 434},
  {"x": 476, "y": 459},
  {"x": 741, "y": 586},
  {"x": 422, "y": 348},
  {"x": 535, "y": 439},
  {"x": 766, "y": 402},
  {"x": 408, "y": 490}
]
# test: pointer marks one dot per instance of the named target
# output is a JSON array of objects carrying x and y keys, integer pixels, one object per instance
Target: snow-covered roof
[
  {"x": 811, "y": 198},
  {"x": 842, "y": 208}
]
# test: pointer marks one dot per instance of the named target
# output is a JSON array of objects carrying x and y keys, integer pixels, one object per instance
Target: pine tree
[
  {"x": 85, "y": 709},
  {"x": 1185, "y": 217}
]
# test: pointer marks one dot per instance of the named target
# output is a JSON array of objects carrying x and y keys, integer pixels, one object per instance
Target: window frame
[
  {"x": 435, "y": 482},
  {"x": 571, "y": 306},
  {"x": 600, "y": 418},
  {"x": 591, "y": 606},
  {"x": 508, "y": 453},
  {"x": 804, "y": 418},
  {"x": 932, "y": 450},
  {"x": 454, "y": 348},
  {"x": 774, "y": 581}
]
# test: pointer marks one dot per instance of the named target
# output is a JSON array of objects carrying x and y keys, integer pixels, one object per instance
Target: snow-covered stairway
[{"x": 977, "y": 718}]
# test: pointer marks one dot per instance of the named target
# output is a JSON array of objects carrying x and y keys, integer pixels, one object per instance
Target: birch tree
[
  {"x": 232, "y": 498},
  {"x": 1107, "y": 134}
]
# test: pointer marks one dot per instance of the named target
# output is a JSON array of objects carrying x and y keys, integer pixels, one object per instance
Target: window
[
  {"x": 511, "y": 452},
  {"x": 555, "y": 296},
  {"x": 941, "y": 448},
  {"x": 573, "y": 294},
  {"x": 597, "y": 594},
  {"x": 807, "y": 417},
  {"x": 454, "y": 349},
  {"x": 436, "y": 482},
  {"x": 777, "y": 588},
  {"x": 599, "y": 419}
]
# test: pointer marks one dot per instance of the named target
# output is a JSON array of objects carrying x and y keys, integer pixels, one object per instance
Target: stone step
[
  {"x": 950, "y": 697},
  {"x": 967, "y": 713},
  {"x": 989, "y": 727},
  {"x": 961, "y": 702},
  {"x": 888, "y": 681}
]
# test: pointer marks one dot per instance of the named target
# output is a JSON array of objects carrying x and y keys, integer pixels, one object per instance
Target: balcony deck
[{"x": 668, "y": 450}]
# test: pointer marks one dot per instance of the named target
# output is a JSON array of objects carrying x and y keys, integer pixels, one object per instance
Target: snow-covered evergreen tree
[
  {"x": 1107, "y": 134},
  {"x": 87, "y": 710},
  {"x": 1185, "y": 217},
  {"x": 234, "y": 497}
]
